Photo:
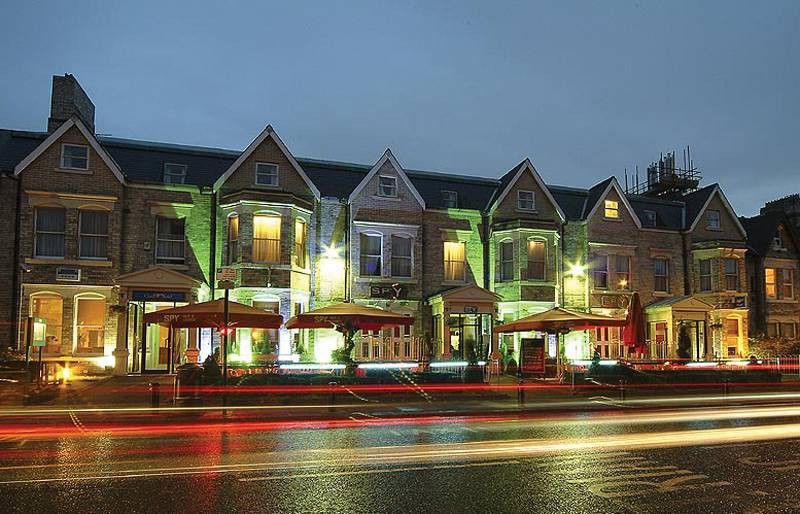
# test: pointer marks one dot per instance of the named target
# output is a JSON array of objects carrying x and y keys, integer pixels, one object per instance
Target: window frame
[
  {"x": 731, "y": 276},
  {"x": 600, "y": 271},
  {"x": 463, "y": 262},
  {"x": 36, "y": 233},
  {"x": 81, "y": 235},
  {"x": 300, "y": 257},
  {"x": 49, "y": 295},
  {"x": 363, "y": 256},
  {"x": 705, "y": 276},
  {"x": 783, "y": 283},
  {"x": 232, "y": 250},
  {"x": 502, "y": 276},
  {"x": 88, "y": 296},
  {"x": 450, "y": 199},
  {"x": 771, "y": 284},
  {"x": 409, "y": 257},
  {"x": 622, "y": 275},
  {"x": 717, "y": 218},
  {"x": 277, "y": 241},
  {"x": 651, "y": 218},
  {"x": 530, "y": 276},
  {"x": 168, "y": 173},
  {"x": 611, "y": 209},
  {"x": 520, "y": 206},
  {"x": 381, "y": 191},
  {"x": 61, "y": 163},
  {"x": 259, "y": 173},
  {"x": 657, "y": 277},
  {"x": 170, "y": 260}
]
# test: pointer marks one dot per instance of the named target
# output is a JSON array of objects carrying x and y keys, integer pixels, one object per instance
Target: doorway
[
  {"x": 695, "y": 330},
  {"x": 470, "y": 336}
]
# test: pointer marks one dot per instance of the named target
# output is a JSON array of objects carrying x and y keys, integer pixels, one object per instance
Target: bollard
[
  {"x": 154, "y": 394},
  {"x": 621, "y": 391},
  {"x": 332, "y": 399},
  {"x": 520, "y": 393}
]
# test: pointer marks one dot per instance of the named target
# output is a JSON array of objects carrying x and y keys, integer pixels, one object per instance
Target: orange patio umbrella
[
  {"x": 348, "y": 317},
  {"x": 560, "y": 320},
  {"x": 212, "y": 314}
]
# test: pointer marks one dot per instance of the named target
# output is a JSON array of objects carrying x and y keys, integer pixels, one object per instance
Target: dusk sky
[{"x": 583, "y": 88}]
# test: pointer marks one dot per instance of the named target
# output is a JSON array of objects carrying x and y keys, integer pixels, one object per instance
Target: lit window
[
  {"x": 536, "y": 260},
  {"x": 661, "y": 275},
  {"x": 49, "y": 307},
  {"x": 650, "y": 218},
  {"x": 623, "y": 271},
  {"x": 174, "y": 173},
  {"x": 387, "y": 186},
  {"x": 90, "y": 322},
  {"x": 732, "y": 327},
  {"x": 713, "y": 220},
  {"x": 705, "y": 275},
  {"x": 371, "y": 255},
  {"x": 93, "y": 234},
  {"x": 526, "y": 201},
  {"x": 265, "y": 341},
  {"x": 600, "y": 272},
  {"x": 300, "y": 238},
  {"x": 401, "y": 256},
  {"x": 50, "y": 228},
  {"x": 266, "y": 174},
  {"x": 266, "y": 238},
  {"x": 506, "y": 251},
  {"x": 731, "y": 274},
  {"x": 170, "y": 240},
  {"x": 233, "y": 239},
  {"x": 770, "y": 283},
  {"x": 611, "y": 209},
  {"x": 75, "y": 157},
  {"x": 450, "y": 199},
  {"x": 454, "y": 261},
  {"x": 787, "y": 284}
]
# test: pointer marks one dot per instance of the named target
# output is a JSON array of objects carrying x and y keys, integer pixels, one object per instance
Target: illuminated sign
[
  {"x": 39, "y": 332},
  {"x": 392, "y": 291},
  {"x": 158, "y": 296}
]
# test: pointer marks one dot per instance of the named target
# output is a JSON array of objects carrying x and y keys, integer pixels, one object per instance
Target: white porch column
[{"x": 120, "y": 352}]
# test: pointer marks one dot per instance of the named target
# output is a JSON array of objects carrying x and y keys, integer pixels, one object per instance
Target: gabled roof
[
  {"x": 600, "y": 191},
  {"x": 387, "y": 157},
  {"x": 268, "y": 132},
  {"x": 697, "y": 202},
  {"x": 508, "y": 180},
  {"x": 761, "y": 231},
  {"x": 74, "y": 121}
]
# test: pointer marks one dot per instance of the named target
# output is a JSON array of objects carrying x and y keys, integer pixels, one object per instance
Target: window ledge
[
  {"x": 547, "y": 283},
  {"x": 89, "y": 263},
  {"x": 662, "y": 294},
  {"x": 76, "y": 171},
  {"x": 527, "y": 211},
  {"x": 389, "y": 198},
  {"x": 182, "y": 267},
  {"x": 781, "y": 300},
  {"x": 616, "y": 220}
]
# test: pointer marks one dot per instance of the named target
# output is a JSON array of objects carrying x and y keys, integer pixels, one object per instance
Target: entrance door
[
  {"x": 470, "y": 336},
  {"x": 163, "y": 348},
  {"x": 697, "y": 334}
]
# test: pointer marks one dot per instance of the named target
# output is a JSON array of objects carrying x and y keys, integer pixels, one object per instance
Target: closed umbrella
[{"x": 633, "y": 333}]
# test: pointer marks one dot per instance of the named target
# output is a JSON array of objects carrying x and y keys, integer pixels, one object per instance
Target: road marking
[
  {"x": 77, "y": 422},
  {"x": 775, "y": 465},
  {"x": 379, "y": 471}
]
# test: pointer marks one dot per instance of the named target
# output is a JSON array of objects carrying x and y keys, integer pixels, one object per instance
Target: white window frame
[
  {"x": 715, "y": 222},
  {"x": 301, "y": 253},
  {"x": 76, "y": 312},
  {"x": 521, "y": 201},
  {"x": 267, "y": 214},
  {"x": 774, "y": 283},
  {"x": 170, "y": 260},
  {"x": 107, "y": 235},
  {"x": 63, "y": 165},
  {"x": 272, "y": 166},
  {"x": 381, "y": 191},
  {"x": 790, "y": 283},
  {"x": 172, "y": 173},
  {"x": 450, "y": 199},
  {"x": 410, "y": 258},
  {"x": 36, "y": 232},
  {"x": 618, "y": 274},
  {"x": 361, "y": 255}
]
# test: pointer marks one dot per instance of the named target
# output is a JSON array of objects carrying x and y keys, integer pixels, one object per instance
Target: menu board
[{"x": 532, "y": 356}]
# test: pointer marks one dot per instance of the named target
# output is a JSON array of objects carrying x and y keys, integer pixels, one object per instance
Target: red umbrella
[
  {"x": 633, "y": 333},
  {"x": 212, "y": 314}
]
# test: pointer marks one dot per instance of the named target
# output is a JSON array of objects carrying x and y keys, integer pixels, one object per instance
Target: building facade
[{"x": 100, "y": 231}]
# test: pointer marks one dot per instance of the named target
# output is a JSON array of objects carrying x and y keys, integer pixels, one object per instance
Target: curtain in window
[
  {"x": 371, "y": 252},
  {"x": 90, "y": 320},
  {"x": 170, "y": 240},
  {"x": 454, "y": 260},
  {"x": 300, "y": 243},
  {"x": 50, "y": 230},
  {"x": 536, "y": 260},
  {"x": 401, "y": 256},
  {"x": 731, "y": 274},
  {"x": 507, "y": 260},
  {"x": 266, "y": 238},
  {"x": 233, "y": 239},
  {"x": 94, "y": 234},
  {"x": 660, "y": 272}
]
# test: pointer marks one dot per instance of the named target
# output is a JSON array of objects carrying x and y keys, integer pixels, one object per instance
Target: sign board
[
  {"x": 39, "y": 337},
  {"x": 470, "y": 309},
  {"x": 68, "y": 274},
  {"x": 532, "y": 356},
  {"x": 226, "y": 274},
  {"x": 388, "y": 291},
  {"x": 158, "y": 296}
]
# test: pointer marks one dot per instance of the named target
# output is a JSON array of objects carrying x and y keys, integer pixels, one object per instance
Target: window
[
  {"x": 75, "y": 157},
  {"x": 170, "y": 240},
  {"x": 265, "y": 341},
  {"x": 90, "y": 322},
  {"x": 506, "y": 261},
  {"x": 623, "y": 271},
  {"x": 266, "y": 174},
  {"x": 787, "y": 330},
  {"x": 401, "y": 256},
  {"x": 454, "y": 261},
  {"x": 174, "y": 173},
  {"x": 713, "y": 219},
  {"x": 772, "y": 330},
  {"x": 387, "y": 186},
  {"x": 600, "y": 272},
  {"x": 731, "y": 274},
  {"x": 266, "y": 238},
  {"x": 732, "y": 327},
  {"x": 770, "y": 282},
  {"x": 650, "y": 218},
  {"x": 536, "y": 260},
  {"x": 661, "y": 275},
  {"x": 50, "y": 227},
  {"x": 526, "y": 201},
  {"x": 93, "y": 234},
  {"x": 371, "y": 255},
  {"x": 705, "y": 275},
  {"x": 787, "y": 284},
  {"x": 233, "y": 239},
  {"x": 611, "y": 209},
  {"x": 450, "y": 199},
  {"x": 49, "y": 307},
  {"x": 300, "y": 238},
  {"x": 777, "y": 241}
]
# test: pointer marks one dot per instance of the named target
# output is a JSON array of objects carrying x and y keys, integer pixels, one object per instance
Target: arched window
[
  {"x": 537, "y": 259},
  {"x": 50, "y": 308},
  {"x": 371, "y": 248},
  {"x": 90, "y": 323},
  {"x": 266, "y": 238}
]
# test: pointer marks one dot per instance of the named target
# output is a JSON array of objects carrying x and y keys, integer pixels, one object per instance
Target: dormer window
[
  {"x": 75, "y": 157},
  {"x": 650, "y": 218},
  {"x": 450, "y": 199},
  {"x": 713, "y": 219},
  {"x": 174, "y": 173},
  {"x": 266, "y": 174},
  {"x": 526, "y": 201},
  {"x": 611, "y": 209},
  {"x": 777, "y": 241},
  {"x": 387, "y": 186}
]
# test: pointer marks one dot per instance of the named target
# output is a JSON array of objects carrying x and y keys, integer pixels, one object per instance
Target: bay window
[
  {"x": 731, "y": 274},
  {"x": 300, "y": 238},
  {"x": 93, "y": 234},
  {"x": 266, "y": 238},
  {"x": 50, "y": 230},
  {"x": 233, "y": 240},
  {"x": 506, "y": 252},
  {"x": 536, "y": 260}
]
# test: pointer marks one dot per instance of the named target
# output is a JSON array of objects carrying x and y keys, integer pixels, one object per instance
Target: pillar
[{"x": 121, "y": 351}]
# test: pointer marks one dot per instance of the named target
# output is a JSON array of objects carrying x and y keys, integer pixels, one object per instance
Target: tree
[{"x": 684, "y": 342}]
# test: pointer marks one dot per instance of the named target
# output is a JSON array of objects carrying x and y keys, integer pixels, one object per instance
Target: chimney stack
[{"x": 69, "y": 99}]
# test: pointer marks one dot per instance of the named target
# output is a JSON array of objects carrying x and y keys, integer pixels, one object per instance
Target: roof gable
[
  {"x": 390, "y": 158},
  {"x": 714, "y": 190},
  {"x": 611, "y": 184},
  {"x": 270, "y": 133},
  {"x": 57, "y": 134},
  {"x": 508, "y": 181}
]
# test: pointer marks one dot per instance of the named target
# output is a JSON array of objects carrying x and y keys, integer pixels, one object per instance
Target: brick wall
[{"x": 8, "y": 208}]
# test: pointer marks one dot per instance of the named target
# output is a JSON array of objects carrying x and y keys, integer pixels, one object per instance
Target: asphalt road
[{"x": 723, "y": 459}]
